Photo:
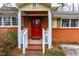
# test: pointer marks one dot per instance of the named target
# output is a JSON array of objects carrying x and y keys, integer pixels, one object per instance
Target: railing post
[
  {"x": 43, "y": 41},
  {"x": 23, "y": 45},
  {"x": 25, "y": 40}
]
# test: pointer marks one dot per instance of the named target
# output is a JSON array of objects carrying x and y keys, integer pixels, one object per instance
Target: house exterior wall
[
  {"x": 5, "y": 29},
  {"x": 64, "y": 35},
  {"x": 59, "y": 35},
  {"x": 26, "y": 23},
  {"x": 54, "y": 23}
]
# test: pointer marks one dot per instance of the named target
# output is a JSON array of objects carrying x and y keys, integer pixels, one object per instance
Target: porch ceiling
[{"x": 34, "y": 13}]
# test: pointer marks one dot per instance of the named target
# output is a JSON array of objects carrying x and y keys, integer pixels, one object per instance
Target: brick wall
[
  {"x": 6, "y": 29},
  {"x": 65, "y": 35}
]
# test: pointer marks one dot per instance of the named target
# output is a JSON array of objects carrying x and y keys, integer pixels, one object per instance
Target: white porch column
[
  {"x": 49, "y": 29},
  {"x": 19, "y": 29}
]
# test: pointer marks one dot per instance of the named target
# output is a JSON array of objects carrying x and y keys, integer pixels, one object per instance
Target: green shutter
[{"x": 58, "y": 22}]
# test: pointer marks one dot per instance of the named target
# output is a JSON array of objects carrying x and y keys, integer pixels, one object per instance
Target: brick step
[
  {"x": 34, "y": 53},
  {"x": 34, "y": 47}
]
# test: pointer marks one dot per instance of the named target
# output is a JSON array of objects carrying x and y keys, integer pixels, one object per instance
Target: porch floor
[{"x": 34, "y": 41}]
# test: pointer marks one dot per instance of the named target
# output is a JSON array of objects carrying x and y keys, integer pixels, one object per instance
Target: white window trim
[
  {"x": 9, "y": 26},
  {"x": 78, "y": 23},
  {"x": 11, "y": 21},
  {"x": 61, "y": 23},
  {"x": 69, "y": 23},
  {"x": 2, "y": 22}
]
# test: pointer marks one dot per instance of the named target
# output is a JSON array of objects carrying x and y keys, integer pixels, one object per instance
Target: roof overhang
[
  {"x": 19, "y": 5},
  {"x": 7, "y": 9}
]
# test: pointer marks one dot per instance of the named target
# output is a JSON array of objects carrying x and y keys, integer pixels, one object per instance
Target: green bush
[
  {"x": 8, "y": 41},
  {"x": 13, "y": 37},
  {"x": 54, "y": 52}
]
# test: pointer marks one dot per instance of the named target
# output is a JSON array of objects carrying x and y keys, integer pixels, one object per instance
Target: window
[
  {"x": 70, "y": 23},
  {"x": 8, "y": 21},
  {"x": 65, "y": 22}
]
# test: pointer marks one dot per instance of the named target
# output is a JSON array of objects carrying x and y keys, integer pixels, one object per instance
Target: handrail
[{"x": 25, "y": 40}]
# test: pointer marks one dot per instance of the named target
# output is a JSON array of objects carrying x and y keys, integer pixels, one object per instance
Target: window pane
[
  {"x": 7, "y": 21},
  {"x": 0, "y": 21},
  {"x": 74, "y": 22},
  {"x": 14, "y": 21},
  {"x": 65, "y": 22}
]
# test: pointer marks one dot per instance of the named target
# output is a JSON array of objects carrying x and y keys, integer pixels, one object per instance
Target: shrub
[
  {"x": 54, "y": 52},
  {"x": 7, "y": 42},
  {"x": 13, "y": 37}
]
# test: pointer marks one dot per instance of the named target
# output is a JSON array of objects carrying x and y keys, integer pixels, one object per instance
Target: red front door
[{"x": 36, "y": 27}]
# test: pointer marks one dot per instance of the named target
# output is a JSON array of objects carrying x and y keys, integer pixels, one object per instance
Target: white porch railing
[
  {"x": 24, "y": 39},
  {"x": 44, "y": 39}
]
